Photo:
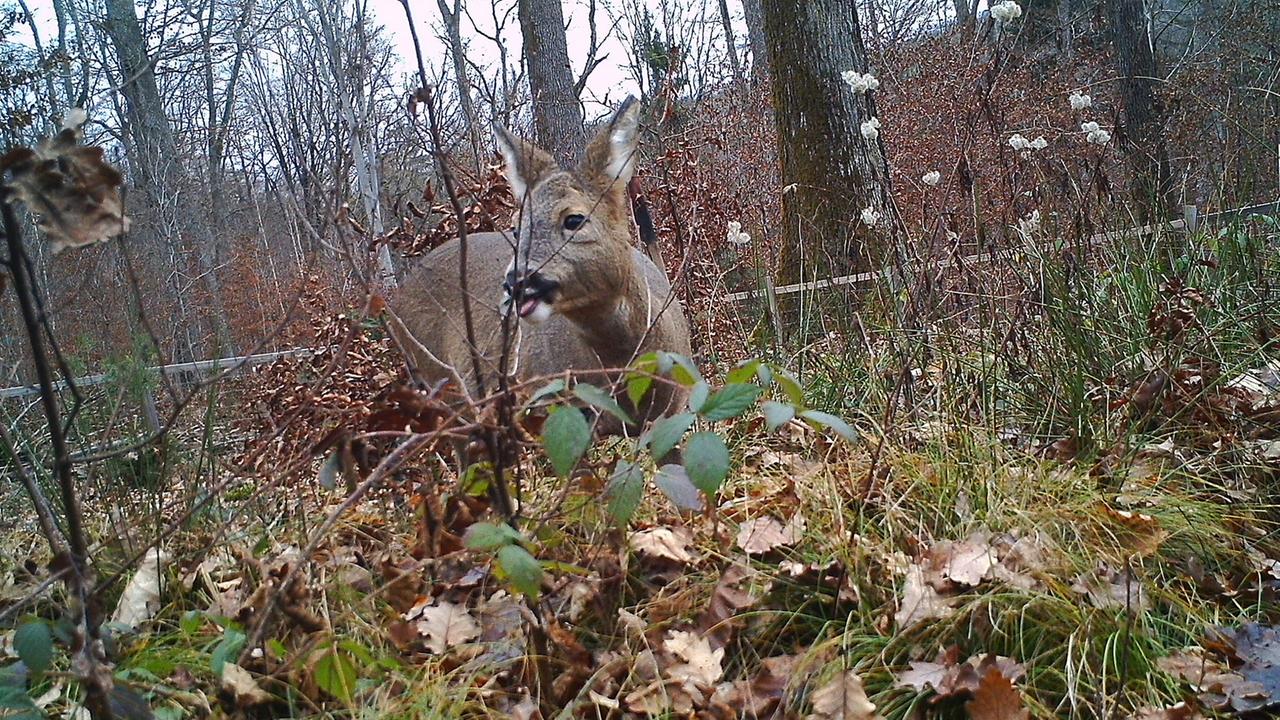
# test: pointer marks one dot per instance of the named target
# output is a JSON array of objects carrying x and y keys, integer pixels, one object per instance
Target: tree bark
[
  {"x": 1141, "y": 135},
  {"x": 452, "y": 17},
  {"x": 830, "y": 172},
  {"x": 557, "y": 112},
  {"x": 726, "y": 22},
  {"x": 754, "y": 15}
]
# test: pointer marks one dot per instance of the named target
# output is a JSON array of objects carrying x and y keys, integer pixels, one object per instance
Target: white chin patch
[{"x": 539, "y": 314}]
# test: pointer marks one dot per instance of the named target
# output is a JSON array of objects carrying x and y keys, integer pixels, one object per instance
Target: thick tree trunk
[
  {"x": 830, "y": 172},
  {"x": 1141, "y": 136},
  {"x": 727, "y": 24},
  {"x": 557, "y": 112},
  {"x": 754, "y": 15}
]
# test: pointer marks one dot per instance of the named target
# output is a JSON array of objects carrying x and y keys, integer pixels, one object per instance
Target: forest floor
[{"x": 1083, "y": 528}]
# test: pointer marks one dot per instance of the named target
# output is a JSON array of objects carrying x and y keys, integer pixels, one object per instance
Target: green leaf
[
  {"x": 666, "y": 361},
  {"x": 596, "y": 397},
  {"x": 745, "y": 372},
  {"x": 777, "y": 414},
  {"x": 328, "y": 476},
  {"x": 637, "y": 387},
  {"x": 34, "y": 644},
  {"x": 551, "y": 388},
  {"x": 336, "y": 674},
  {"x": 730, "y": 401},
  {"x": 227, "y": 649},
  {"x": 698, "y": 395},
  {"x": 789, "y": 385},
  {"x": 191, "y": 622},
  {"x": 489, "y": 536},
  {"x": 666, "y": 434},
  {"x": 706, "y": 460},
  {"x": 844, "y": 429},
  {"x": 15, "y": 698},
  {"x": 674, "y": 482},
  {"x": 565, "y": 436},
  {"x": 522, "y": 569},
  {"x": 683, "y": 371},
  {"x": 625, "y": 490}
]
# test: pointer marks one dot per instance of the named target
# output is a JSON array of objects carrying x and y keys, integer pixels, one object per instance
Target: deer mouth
[{"x": 533, "y": 297}]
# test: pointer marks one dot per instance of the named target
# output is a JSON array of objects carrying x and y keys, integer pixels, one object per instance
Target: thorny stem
[{"x": 89, "y": 664}]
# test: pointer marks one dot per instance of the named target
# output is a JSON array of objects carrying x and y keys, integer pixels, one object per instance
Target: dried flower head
[
  {"x": 1006, "y": 11},
  {"x": 860, "y": 82},
  {"x": 871, "y": 129}
]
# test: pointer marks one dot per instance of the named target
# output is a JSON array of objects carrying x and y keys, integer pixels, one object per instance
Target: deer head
[{"x": 573, "y": 240}]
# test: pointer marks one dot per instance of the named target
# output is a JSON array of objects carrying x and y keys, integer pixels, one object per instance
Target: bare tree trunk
[
  {"x": 363, "y": 156},
  {"x": 557, "y": 112},
  {"x": 156, "y": 158},
  {"x": 727, "y": 23},
  {"x": 452, "y": 17},
  {"x": 754, "y": 15},
  {"x": 1141, "y": 135},
  {"x": 830, "y": 171}
]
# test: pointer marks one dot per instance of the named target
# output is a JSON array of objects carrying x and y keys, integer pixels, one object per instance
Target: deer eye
[{"x": 573, "y": 222}]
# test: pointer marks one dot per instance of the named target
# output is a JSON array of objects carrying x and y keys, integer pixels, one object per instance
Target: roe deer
[{"x": 586, "y": 299}]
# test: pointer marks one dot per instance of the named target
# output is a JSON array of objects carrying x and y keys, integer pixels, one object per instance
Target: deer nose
[{"x": 530, "y": 286}]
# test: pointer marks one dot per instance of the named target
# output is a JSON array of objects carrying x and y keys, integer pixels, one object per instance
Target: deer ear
[
  {"x": 526, "y": 162},
  {"x": 611, "y": 157}
]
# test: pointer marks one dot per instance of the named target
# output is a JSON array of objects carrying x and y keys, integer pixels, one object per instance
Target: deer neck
[{"x": 615, "y": 331}]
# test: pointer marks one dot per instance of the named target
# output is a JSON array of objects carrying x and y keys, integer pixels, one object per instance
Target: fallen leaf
[
  {"x": 760, "y": 535},
  {"x": 996, "y": 699},
  {"x": 967, "y": 562},
  {"x": 919, "y": 600},
  {"x": 663, "y": 696},
  {"x": 701, "y": 664},
  {"x": 243, "y": 687},
  {"x": 141, "y": 597},
  {"x": 922, "y": 675},
  {"x": 445, "y": 624},
  {"x": 843, "y": 699},
  {"x": 1106, "y": 587},
  {"x": 663, "y": 543},
  {"x": 1181, "y": 711}
]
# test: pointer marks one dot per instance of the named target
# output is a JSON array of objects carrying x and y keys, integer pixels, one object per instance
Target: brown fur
[{"x": 612, "y": 305}]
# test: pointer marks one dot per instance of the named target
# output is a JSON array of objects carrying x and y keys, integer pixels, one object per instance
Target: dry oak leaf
[
  {"x": 701, "y": 664},
  {"x": 241, "y": 684},
  {"x": 843, "y": 699},
  {"x": 922, "y": 675},
  {"x": 760, "y": 535},
  {"x": 968, "y": 562},
  {"x": 663, "y": 543},
  {"x": 1181, "y": 711},
  {"x": 662, "y": 696},
  {"x": 446, "y": 624},
  {"x": 996, "y": 699},
  {"x": 1106, "y": 587},
  {"x": 760, "y": 696},
  {"x": 919, "y": 600},
  {"x": 73, "y": 192}
]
